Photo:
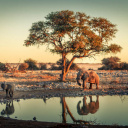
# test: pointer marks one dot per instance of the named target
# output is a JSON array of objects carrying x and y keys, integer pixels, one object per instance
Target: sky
[{"x": 17, "y": 16}]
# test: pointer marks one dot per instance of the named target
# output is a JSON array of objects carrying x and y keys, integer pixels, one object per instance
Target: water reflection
[
  {"x": 91, "y": 107},
  {"x": 64, "y": 108},
  {"x": 104, "y": 109},
  {"x": 9, "y": 109}
]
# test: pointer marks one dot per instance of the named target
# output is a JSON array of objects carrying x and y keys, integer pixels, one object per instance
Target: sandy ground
[{"x": 46, "y": 84}]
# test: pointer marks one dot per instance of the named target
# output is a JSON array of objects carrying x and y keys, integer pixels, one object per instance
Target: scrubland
[{"x": 111, "y": 83}]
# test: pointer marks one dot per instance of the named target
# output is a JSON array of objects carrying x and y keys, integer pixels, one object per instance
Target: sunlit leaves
[
  {"x": 114, "y": 48},
  {"x": 104, "y": 28},
  {"x": 75, "y": 33}
]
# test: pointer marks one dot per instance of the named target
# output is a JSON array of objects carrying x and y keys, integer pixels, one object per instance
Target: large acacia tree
[{"x": 66, "y": 32}]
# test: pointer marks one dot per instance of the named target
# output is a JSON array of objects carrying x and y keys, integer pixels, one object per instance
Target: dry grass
[{"x": 34, "y": 77}]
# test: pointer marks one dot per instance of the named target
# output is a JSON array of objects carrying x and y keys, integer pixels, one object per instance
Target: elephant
[
  {"x": 9, "y": 89},
  {"x": 9, "y": 108},
  {"x": 87, "y": 108},
  {"x": 87, "y": 76}
]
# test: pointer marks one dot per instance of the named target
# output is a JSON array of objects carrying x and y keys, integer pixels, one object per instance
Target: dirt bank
[{"x": 64, "y": 93}]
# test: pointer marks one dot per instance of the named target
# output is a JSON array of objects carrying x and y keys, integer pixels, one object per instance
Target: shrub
[
  {"x": 43, "y": 67},
  {"x": 23, "y": 66},
  {"x": 112, "y": 63},
  {"x": 124, "y": 66},
  {"x": 73, "y": 66},
  {"x": 32, "y": 64},
  {"x": 3, "y": 67},
  {"x": 54, "y": 67}
]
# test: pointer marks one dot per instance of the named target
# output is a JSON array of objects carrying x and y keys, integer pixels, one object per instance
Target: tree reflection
[
  {"x": 64, "y": 108},
  {"x": 87, "y": 108},
  {"x": 123, "y": 98}
]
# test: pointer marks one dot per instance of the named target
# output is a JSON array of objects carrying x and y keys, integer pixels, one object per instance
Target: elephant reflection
[
  {"x": 65, "y": 110},
  {"x": 9, "y": 108},
  {"x": 87, "y": 108}
]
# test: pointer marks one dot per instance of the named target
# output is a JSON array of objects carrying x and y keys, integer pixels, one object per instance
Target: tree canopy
[{"x": 66, "y": 32}]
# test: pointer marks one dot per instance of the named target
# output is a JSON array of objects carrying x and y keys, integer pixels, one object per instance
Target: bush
[
  {"x": 54, "y": 67},
  {"x": 43, "y": 67},
  {"x": 112, "y": 63},
  {"x": 73, "y": 66},
  {"x": 32, "y": 64},
  {"x": 23, "y": 66},
  {"x": 124, "y": 66},
  {"x": 3, "y": 67}
]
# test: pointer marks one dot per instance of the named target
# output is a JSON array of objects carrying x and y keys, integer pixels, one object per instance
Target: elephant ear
[
  {"x": 2, "y": 86},
  {"x": 78, "y": 108},
  {"x": 79, "y": 75},
  {"x": 85, "y": 75}
]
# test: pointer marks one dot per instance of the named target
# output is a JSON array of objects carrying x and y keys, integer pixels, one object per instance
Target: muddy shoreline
[
  {"x": 13, "y": 123},
  {"x": 64, "y": 93}
]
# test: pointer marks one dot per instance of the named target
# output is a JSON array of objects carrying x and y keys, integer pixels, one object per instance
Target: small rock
[{"x": 34, "y": 118}]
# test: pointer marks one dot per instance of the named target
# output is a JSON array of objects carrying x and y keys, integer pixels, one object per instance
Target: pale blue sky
[{"x": 17, "y": 16}]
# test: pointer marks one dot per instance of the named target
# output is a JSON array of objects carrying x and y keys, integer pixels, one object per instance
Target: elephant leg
[
  {"x": 90, "y": 86},
  {"x": 11, "y": 93},
  {"x": 84, "y": 84},
  {"x": 97, "y": 86},
  {"x": 90, "y": 98},
  {"x": 97, "y": 98},
  {"x": 6, "y": 92}
]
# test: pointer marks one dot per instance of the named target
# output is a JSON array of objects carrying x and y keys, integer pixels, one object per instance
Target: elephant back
[{"x": 93, "y": 107}]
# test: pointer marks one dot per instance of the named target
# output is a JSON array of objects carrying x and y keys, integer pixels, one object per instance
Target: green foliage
[
  {"x": 113, "y": 63},
  {"x": 32, "y": 64},
  {"x": 3, "y": 67}
]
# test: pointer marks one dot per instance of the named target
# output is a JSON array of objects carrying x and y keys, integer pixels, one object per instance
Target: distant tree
[
  {"x": 111, "y": 63},
  {"x": 124, "y": 66},
  {"x": 23, "y": 66},
  {"x": 32, "y": 64},
  {"x": 72, "y": 67},
  {"x": 55, "y": 67},
  {"x": 3, "y": 67},
  {"x": 43, "y": 67},
  {"x": 77, "y": 34}
]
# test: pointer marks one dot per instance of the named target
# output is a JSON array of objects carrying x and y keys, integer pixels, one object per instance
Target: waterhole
[{"x": 108, "y": 110}]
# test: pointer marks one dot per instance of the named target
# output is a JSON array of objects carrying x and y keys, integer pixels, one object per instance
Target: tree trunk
[
  {"x": 65, "y": 67},
  {"x": 63, "y": 75},
  {"x": 63, "y": 109}
]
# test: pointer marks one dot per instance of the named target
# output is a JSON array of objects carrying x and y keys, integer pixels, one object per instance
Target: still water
[{"x": 99, "y": 109}]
